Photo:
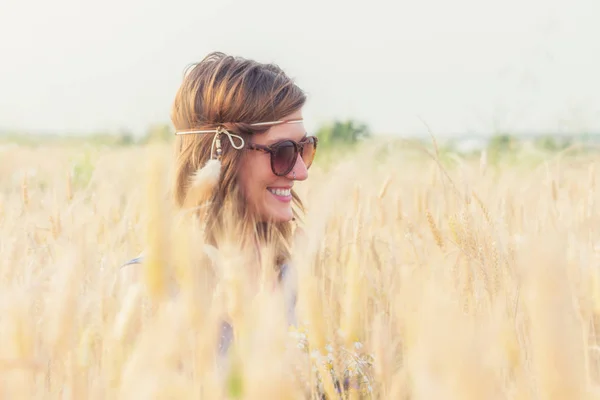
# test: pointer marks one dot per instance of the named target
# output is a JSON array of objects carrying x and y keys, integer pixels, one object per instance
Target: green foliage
[
  {"x": 347, "y": 132},
  {"x": 235, "y": 379},
  {"x": 82, "y": 170},
  {"x": 502, "y": 146},
  {"x": 338, "y": 139},
  {"x": 158, "y": 133},
  {"x": 123, "y": 138},
  {"x": 552, "y": 144},
  {"x": 502, "y": 143}
]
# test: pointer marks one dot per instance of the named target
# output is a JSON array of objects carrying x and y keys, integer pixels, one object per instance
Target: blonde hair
[{"x": 231, "y": 92}]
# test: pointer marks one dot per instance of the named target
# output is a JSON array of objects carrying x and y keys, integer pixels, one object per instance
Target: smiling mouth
[{"x": 281, "y": 192}]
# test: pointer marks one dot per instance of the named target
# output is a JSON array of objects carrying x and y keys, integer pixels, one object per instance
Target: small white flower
[{"x": 358, "y": 345}]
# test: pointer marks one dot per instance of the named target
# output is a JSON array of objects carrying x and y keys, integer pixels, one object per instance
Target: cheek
[{"x": 254, "y": 177}]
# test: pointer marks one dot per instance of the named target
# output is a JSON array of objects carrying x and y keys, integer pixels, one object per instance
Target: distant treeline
[
  {"x": 334, "y": 135},
  {"x": 346, "y": 132}
]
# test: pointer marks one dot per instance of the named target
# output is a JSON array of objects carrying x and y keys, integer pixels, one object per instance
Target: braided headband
[{"x": 220, "y": 130}]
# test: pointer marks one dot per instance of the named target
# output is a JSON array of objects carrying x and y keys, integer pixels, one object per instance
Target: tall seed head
[
  {"x": 69, "y": 186},
  {"x": 155, "y": 264},
  {"x": 434, "y": 230},
  {"x": 25, "y": 191}
]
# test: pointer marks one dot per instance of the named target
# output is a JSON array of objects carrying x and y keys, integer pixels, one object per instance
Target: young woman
[
  {"x": 243, "y": 121},
  {"x": 248, "y": 116}
]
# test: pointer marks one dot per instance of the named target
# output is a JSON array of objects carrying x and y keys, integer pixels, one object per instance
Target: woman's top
[
  {"x": 358, "y": 361},
  {"x": 226, "y": 330}
]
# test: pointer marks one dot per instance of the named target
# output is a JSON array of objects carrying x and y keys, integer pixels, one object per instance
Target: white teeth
[{"x": 280, "y": 192}]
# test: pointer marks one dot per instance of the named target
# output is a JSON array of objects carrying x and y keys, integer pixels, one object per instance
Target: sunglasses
[{"x": 285, "y": 153}]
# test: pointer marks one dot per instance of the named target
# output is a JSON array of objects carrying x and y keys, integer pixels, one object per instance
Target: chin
[{"x": 279, "y": 215}]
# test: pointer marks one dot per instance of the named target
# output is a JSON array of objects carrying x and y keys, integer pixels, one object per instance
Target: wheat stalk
[{"x": 501, "y": 301}]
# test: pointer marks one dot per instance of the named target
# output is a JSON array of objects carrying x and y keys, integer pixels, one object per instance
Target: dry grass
[{"x": 472, "y": 282}]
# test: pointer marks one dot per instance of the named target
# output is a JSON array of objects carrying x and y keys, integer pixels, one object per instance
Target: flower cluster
[{"x": 349, "y": 368}]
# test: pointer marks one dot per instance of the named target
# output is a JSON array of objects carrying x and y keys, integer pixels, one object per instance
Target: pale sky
[{"x": 462, "y": 66}]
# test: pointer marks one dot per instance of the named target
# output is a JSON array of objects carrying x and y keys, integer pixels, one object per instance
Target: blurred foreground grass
[{"x": 461, "y": 278}]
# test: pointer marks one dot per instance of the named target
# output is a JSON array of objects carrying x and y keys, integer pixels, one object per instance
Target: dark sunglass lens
[
  {"x": 308, "y": 151},
  {"x": 284, "y": 158}
]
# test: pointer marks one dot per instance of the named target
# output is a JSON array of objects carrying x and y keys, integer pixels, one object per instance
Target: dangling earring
[
  {"x": 216, "y": 145},
  {"x": 207, "y": 176}
]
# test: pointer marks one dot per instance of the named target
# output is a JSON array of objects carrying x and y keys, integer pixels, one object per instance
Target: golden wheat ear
[{"x": 202, "y": 184}]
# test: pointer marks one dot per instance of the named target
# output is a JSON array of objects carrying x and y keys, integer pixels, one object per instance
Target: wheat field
[{"x": 418, "y": 277}]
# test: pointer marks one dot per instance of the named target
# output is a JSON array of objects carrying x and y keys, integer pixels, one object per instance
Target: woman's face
[{"x": 267, "y": 193}]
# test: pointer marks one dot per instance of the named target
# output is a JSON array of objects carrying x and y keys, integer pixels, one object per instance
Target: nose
[{"x": 300, "y": 170}]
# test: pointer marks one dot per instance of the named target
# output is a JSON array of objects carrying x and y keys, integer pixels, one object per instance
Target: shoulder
[
  {"x": 288, "y": 280},
  {"x": 290, "y": 291}
]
